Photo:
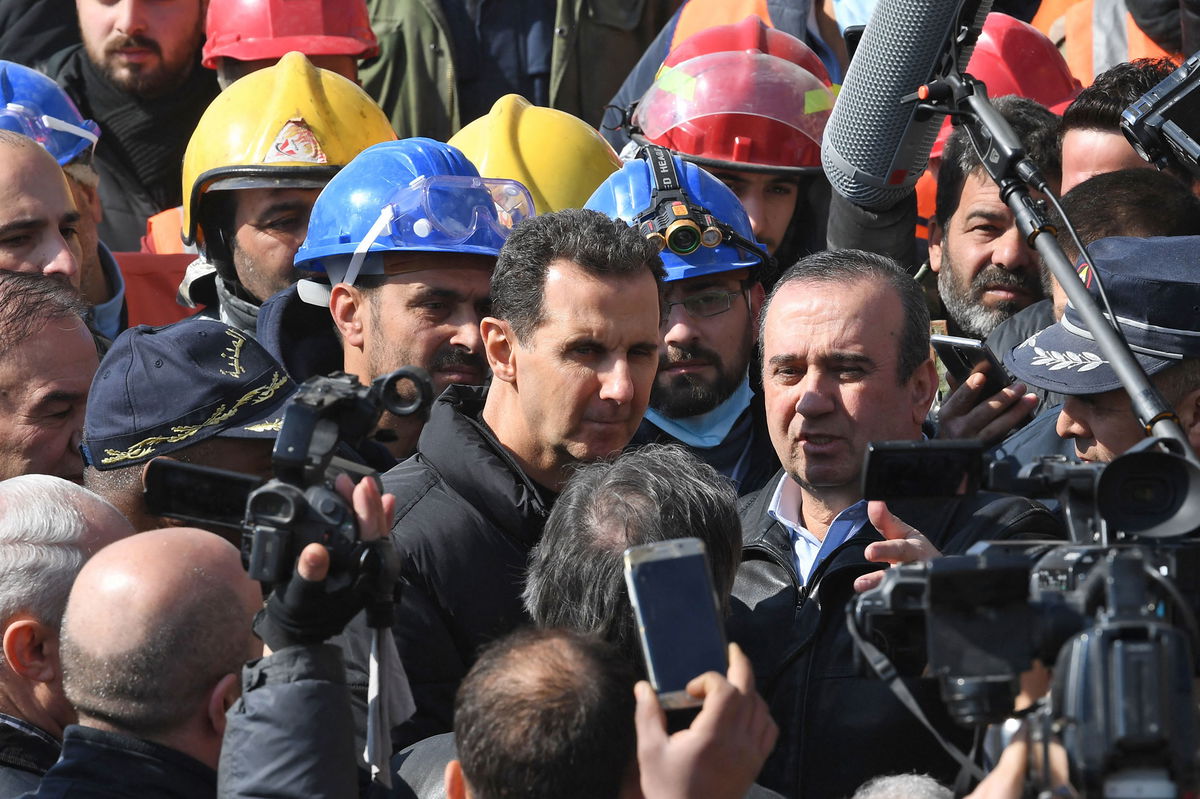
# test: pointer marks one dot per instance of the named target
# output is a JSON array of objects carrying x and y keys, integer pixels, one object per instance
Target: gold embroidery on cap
[
  {"x": 147, "y": 446},
  {"x": 233, "y": 355}
]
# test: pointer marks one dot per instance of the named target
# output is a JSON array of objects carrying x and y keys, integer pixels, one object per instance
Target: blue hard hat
[
  {"x": 412, "y": 195},
  {"x": 33, "y": 105},
  {"x": 628, "y": 194}
]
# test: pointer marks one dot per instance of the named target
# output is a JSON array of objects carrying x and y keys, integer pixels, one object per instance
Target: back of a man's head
[
  {"x": 656, "y": 493},
  {"x": 153, "y": 624},
  {"x": 48, "y": 527},
  {"x": 1131, "y": 202},
  {"x": 1100, "y": 105},
  {"x": 546, "y": 714},
  {"x": 1036, "y": 128},
  {"x": 903, "y": 786}
]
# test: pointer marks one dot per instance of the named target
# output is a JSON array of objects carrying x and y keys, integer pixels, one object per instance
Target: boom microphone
[{"x": 877, "y": 144}]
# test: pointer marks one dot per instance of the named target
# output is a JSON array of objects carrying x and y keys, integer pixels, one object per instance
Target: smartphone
[
  {"x": 963, "y": 356},
  {"x": 902, "y": 469},
  {"x": 200, "y": 495},
  {"x": 679, "y": 623}
]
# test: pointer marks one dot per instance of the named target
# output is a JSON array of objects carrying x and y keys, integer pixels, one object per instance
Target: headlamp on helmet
[{"x": 672, "y": 221}]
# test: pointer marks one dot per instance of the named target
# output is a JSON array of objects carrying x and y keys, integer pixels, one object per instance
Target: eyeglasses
[{"x": 706, "y": 303}]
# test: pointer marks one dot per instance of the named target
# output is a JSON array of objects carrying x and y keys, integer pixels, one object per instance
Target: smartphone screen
[{"x": 671, "y": 589}]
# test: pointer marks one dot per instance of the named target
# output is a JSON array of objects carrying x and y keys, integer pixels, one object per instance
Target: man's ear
[
  {"x": 937, "y": 236},
  {"x": 220, "y": 699},
  {"x": 922, "y": 387},
  {"x": 31, "y": 649},
  {"x": 347, "y": 306},
  {"x": 92, "y": 194},
  {"x": 453, "y": 781},
  {"x": 499, "y": 344}
]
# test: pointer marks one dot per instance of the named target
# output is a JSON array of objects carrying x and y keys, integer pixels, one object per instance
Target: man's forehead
[
  {"x": 833, "y": 315},
  {"x": 615, "y": 305},
  {"x": 428, "y": 265},
  {"x": 752, "y": 178},
  {"x": 30, "y": 177},
  {"x": 70, "y": 371}
]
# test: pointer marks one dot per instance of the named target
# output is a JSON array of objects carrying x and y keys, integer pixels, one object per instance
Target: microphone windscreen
[{"x": 874, "y": 150}]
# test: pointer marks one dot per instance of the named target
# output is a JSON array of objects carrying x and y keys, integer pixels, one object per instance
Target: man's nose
[{"x": 616, "y": 383}]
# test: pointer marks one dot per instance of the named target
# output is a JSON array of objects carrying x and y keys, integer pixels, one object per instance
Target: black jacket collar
[
  {"x": 100, "y": 763},
  {"x": 464, "y": 451}
]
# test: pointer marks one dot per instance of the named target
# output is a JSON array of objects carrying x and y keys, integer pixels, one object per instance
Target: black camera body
[
  {"x": 1161, "y": 123},
  {"x": 1113, "y": 614},
  {"x": 971, "y": 622},
  {"x": 299, "y": 507}
]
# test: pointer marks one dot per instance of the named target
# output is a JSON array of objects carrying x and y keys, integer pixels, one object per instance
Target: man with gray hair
[
  {"x": 903, "y": 786},
  {"x": 47, "y": 360},
  {"x": 48, "y": 528},
  {"x": 656, "y": 493}
]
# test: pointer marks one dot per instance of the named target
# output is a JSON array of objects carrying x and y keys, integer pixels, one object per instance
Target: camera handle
[{"x": 965, "y": 100}]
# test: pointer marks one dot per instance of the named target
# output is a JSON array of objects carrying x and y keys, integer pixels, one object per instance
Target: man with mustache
[
  {"x": 702, "y": 397},
  {"x": 418, "y": 287},
  {"x": 137, "y": 74},
  {"x": 986, "y": 271}
]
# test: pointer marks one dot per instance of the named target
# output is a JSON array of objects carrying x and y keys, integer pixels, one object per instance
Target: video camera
[
  {"x": 1163, "y": 123},
  {"x": 1113, "y": 613},
  {"x": 323, "y": 424}
]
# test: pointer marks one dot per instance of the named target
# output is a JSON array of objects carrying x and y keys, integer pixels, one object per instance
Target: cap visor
[{"x": 1058, "y": 360}]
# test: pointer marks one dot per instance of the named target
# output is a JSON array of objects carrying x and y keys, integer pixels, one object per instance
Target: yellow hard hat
[
  {"x": 559, "y": 157},
  {"x": 290, "y": 124}
]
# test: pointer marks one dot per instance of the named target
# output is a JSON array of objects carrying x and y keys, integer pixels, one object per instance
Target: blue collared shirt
[
  {"x": 107, "y": 315},
  {"x": 807, "y": 550}
]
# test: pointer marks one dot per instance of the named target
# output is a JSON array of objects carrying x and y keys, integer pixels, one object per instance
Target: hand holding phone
[
  {"x": 986, "y": 413},
  {"x": 679, "y": 626},
  {"x": 719, "y": 755},
  {"x": 964, "y": 356}
]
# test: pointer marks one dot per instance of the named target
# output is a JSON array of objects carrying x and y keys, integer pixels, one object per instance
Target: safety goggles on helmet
[
  {"x": 443, "y": 212},
  {"x": 40, "y": 127},
  {"x": 737, "y": 107},
  {"x": 672, "y": 221}
]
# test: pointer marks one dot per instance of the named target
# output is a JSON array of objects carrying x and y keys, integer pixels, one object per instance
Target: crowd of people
[{"x": 603, "y": 231}]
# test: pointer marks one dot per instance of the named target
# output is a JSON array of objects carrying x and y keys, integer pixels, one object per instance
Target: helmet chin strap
[{"x": 360, "y": 252}]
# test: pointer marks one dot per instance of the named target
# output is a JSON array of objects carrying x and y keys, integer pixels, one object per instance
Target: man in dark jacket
[
  {"x": 573, "y": 347},
  {"x": 845, "y": 347},
  {"x": 156, "y": 631},
  {"x": 137, "y": 74},
  {"x": 48, "y": 528}
]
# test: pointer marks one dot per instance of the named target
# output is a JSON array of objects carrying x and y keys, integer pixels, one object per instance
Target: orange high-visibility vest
[
  {"x": 699, "y": 15},
  {"x": 164, "y": 232},
  {"x": 151, "y": 284},
  {"x": 1088, "y": 55}
]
